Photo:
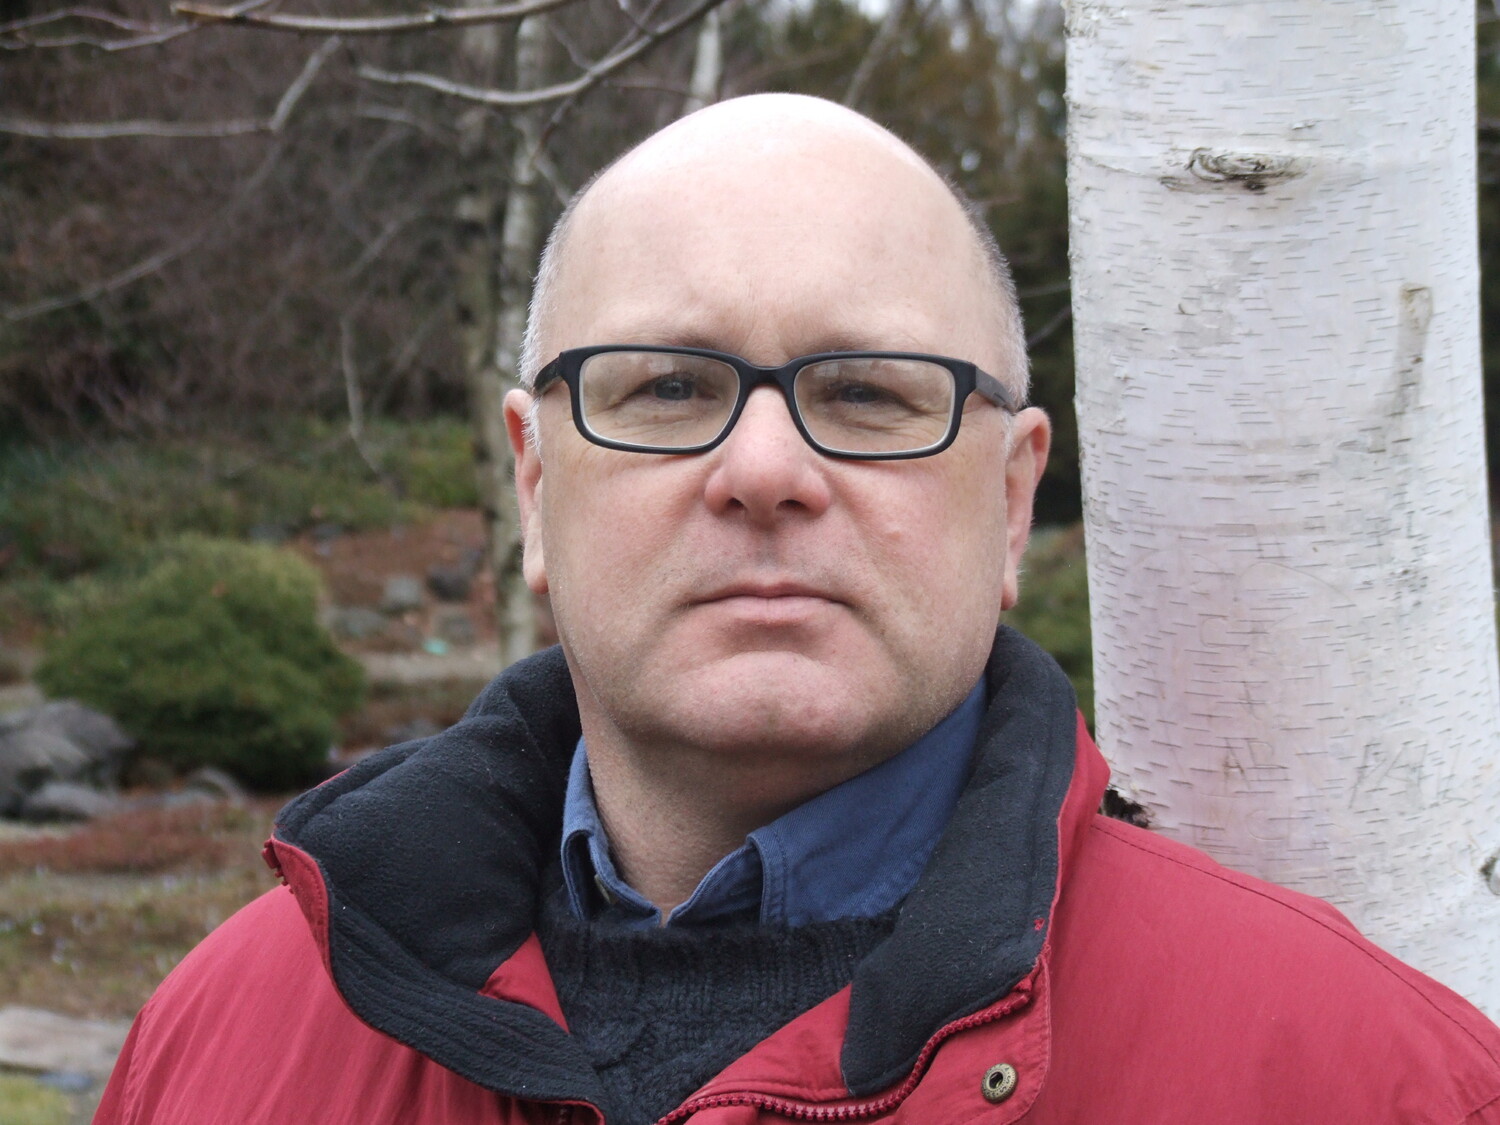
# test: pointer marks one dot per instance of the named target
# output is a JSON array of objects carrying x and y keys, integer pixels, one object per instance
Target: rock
[
  {"x": 456, "y": 627},
  {"x": 93, "y": 732},
  {"x": 450, "y": 583},
  {"x": 68, "y": 1081},
  {"x": 216, "y": 783},
  {"x": 403, "y": 593},
  {"x": 37, "y": 1040},
  {"x": 58, "y": 741},
  {"x": 29, "y": 759},
  {"x": 420, "y": 727},
  {"x": 67, "y": 800},
  {"x": 355, "y": 623}
]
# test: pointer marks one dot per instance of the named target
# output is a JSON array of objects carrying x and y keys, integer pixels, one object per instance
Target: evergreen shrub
[{"x": 214, "y": 657}]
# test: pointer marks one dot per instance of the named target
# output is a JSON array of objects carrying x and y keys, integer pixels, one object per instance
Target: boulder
[
  {"x": 58, "y": 741},
  {"x": 93, "y": 732},
  {"x": 403, "y": 593},
  {"x": 450, "y": 583},
  {"x": 67, "y": 800}
]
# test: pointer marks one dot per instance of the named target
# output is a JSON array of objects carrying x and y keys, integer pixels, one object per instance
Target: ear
[
  {"x": 1031, "y": 438},
  {"x": 528, "y": 460}
]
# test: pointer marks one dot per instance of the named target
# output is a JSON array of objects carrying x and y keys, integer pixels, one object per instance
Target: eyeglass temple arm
[{"x": 996, "y": 391}]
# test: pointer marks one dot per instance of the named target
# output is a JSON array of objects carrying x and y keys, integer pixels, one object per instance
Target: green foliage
[
  {"x": 25, "y": 1101},
  {"x": 214, "y": 657},
  {"x": 74, "y": 509},
  {"x": 1054, "y": 606},
  {"x": 435, "y": 463}
]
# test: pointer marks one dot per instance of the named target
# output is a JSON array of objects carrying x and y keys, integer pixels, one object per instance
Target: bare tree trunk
[
  {"x": 520, "y": 242},
  {"x": 708, "y": 65},
  {"x": 1275, "y": 291}
]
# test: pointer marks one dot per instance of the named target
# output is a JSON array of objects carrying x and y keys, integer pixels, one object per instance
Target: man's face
[{"x": 760, "y": 602}]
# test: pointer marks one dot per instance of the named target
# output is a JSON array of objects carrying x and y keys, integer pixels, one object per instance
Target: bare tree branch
[
  {"x": 885, "y": 38},
  {"x": 109, "y": 130},
  {"x": 369, "y": 25},
  {"x": 1054, "y": 322},
  {"x": 147, "y": 34},
  {"x": 513, "y": 99},
  {"x": 112, "y": 129}
]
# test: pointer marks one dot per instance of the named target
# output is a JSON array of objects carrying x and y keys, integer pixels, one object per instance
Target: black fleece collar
[{"x": 431, "y": 854}]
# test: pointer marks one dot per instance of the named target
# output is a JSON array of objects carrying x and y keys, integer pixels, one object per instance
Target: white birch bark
[
  {"x": 520, "y": 243},
  {"x": 1276, "y": 315},
  {"x": 708, "y": 65}
]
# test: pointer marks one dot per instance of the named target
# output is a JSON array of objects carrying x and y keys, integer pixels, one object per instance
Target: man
[{"x": 827, "y": 848}]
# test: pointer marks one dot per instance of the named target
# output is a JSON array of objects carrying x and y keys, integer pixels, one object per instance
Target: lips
[{"x": 769, "y": 591}]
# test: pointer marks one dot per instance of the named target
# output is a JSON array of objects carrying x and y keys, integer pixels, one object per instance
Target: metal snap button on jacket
[{"x": 999, "y": 1082}]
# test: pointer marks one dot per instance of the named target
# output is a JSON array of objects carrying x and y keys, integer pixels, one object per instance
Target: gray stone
[
  {"x": 29, "y": 759},
  {"x": 355, "y": 623},
  {"x": 450, "y": 583},
  {"x": 456, "y": 627},
  {"x": 403, "y": 593},
  {"x": 68, "y": 1081},
  {"x": 93, "y": 732},
  {"x": 37, "y": 1040},
  {"x": 58, "y": 741},
  {"x": 216, "y": 783},
  {"x": 67, "y": 800}
]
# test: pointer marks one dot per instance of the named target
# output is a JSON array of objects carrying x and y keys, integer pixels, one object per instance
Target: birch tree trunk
[
  {"x": 1275, "y": 289},
  {"x": 495, "y": 373}
]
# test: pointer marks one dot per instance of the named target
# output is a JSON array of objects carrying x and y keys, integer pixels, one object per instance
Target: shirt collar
[{"x": 852, "y": 852}]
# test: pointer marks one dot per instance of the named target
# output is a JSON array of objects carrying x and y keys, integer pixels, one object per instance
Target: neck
[{"x": 668, "y": 827}]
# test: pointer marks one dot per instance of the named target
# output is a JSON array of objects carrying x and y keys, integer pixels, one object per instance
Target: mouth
[
  {"x": 769, "y": 591},
  {"x": 770, "y": 604}
]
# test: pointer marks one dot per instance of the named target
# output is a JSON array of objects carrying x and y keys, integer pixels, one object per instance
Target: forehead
[{"x": 774, "y": 244}]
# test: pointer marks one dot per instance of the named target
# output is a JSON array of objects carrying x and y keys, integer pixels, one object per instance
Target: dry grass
[{"x": 91, "y": 920}]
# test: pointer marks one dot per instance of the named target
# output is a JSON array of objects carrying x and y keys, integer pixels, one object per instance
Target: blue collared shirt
[{"x": 852, "y": 852}]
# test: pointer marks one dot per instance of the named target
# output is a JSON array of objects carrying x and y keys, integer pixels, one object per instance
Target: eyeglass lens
[{"x": 850, "y": 404}]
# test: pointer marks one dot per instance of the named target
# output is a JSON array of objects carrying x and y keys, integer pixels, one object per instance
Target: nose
[{"x": 764, "y": 467}]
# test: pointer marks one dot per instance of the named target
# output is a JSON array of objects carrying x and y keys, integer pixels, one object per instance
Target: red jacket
[{"x": 1052, "y": 966}]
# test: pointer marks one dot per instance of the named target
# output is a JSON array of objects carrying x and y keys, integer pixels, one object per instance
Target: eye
[
  {"x": 671, "y": 388},
  {"x": 858, "y": 394}
]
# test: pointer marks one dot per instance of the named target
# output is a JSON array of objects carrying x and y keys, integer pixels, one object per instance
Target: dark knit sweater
[{"x": 661, "y": 1011}]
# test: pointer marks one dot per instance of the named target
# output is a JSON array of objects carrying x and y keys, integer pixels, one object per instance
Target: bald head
[{"x": 768, "y": 177}]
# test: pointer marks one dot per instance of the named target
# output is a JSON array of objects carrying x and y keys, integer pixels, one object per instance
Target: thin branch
[
  {"x": 1056, "y": 321},
  {"x": 354, "y": 394},
  {"x": 885, "y": 38},
  {"x": 369, "y": 25},
  {"x": 44, "y": 18},
  {"x": 147, "y": 34},
  {"x": 109, "y": 130},
  {"x": 161, "y": 258},
  {"x": 513, "y": 99},
  {"x": 300, "y": 84}
]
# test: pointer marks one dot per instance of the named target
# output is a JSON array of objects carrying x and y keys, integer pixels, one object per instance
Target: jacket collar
[{"x": 419, "y": 870}]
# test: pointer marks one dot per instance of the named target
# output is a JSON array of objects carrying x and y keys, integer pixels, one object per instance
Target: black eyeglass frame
[{"x": 967, "y": 379}]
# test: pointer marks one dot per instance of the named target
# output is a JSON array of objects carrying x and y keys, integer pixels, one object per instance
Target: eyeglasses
[{"x": 877, "y": 406}]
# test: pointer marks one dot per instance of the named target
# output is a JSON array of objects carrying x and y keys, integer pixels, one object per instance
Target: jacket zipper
[{"x": 804, "y": 1112}]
